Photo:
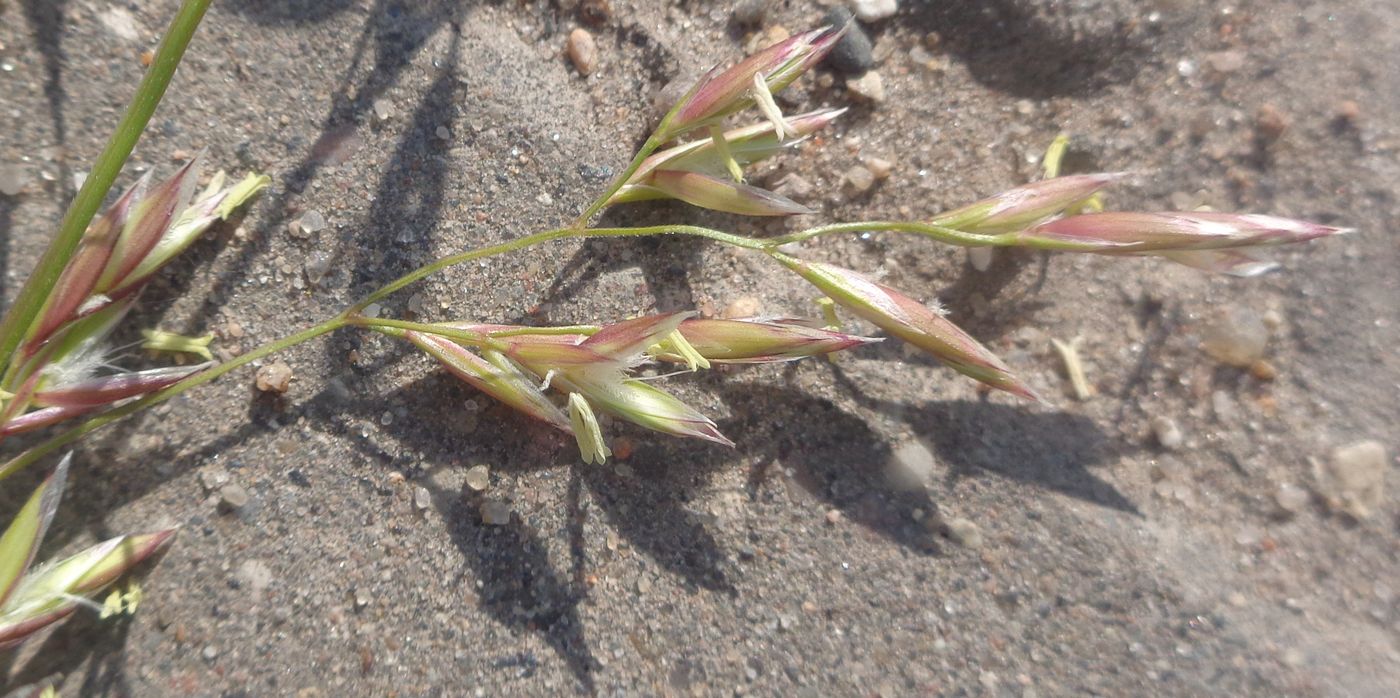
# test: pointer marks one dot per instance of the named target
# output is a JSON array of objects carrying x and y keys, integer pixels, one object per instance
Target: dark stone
[{"x": 851, "y": 55}]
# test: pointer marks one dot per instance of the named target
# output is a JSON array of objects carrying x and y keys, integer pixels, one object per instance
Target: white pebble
[
  {"x": 479, "y": 477},
  {"x": 1168, "y": 434},
  {"x": 911, "y": 465},
  {"x": 964, "y": 533},
  {"x": 1353, "y": 479},
  {"x": 869, "y": 87},
  {"x": 873, "y": 10},
  {"x": 860, "y": 179}
]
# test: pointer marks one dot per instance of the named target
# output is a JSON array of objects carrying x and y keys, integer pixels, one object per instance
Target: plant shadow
[{"x": 1008, "y": 45}]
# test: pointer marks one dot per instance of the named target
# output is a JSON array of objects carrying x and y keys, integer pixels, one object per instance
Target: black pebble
[{"x": 851, "y": 55}]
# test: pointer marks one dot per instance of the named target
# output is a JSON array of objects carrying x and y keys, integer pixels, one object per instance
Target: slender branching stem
[
  {"x": 398, "y": 327},
  {"x": 951, "y": 236},
  {"x": 41, "y": 281},
  {"x": 528, "y": 241}
]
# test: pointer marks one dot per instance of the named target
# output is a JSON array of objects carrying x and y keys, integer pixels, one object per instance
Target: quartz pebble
[
  {"x": 275, "y": 377},
  {"x": 13, "y": 178},
  {"x": 879, "y": 167},
  {"x": 1236, "y": 337},
  {"x": 479, "y": 477},
  {"x": 1353, "y": 478},
  {"x": 383, "y": 109},
  {"x": 869, "y": 87},
  {"x": 213, "y": 479},
  {"x": 120, "y": 23},
  {"x": 1167, "y": 432},
  {"x": 742, "y": 307},
  {"x": 312, "y": 221},
  {"x": 980, "y": 257},
  {"x": 232, "y": 497},
  {"x": 860, "y": 179},
  {"x": 1226, "y": 61},
  {"x": 583, "y": 51},
  {"x": 422, "y": 498},
  {"x": 495, "y": 513},
  {"x": 911, "y": 465},
  {"x": 874, "y": 10},
  {"x": 964, "y": 533}
]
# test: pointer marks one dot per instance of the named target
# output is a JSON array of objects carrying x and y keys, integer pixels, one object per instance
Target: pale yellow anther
[
  {"x": 1054, "y": 156},
  {"x": 683, "y": 348},
  {"x": 586, "y": 431},
  {"x": 160, "y": 340},
  {"x": 763, "y": 97},
  {"x": 725, "y": 154}
]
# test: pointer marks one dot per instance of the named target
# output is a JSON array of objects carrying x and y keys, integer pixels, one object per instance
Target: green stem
[
  {"x": 461, "y": 336},
  {"x": 19, "y": 462},
  {"x": 80, "y": 212},
  {"x": 653, "y": 142},
  {"x": 547, "y": 236},
  {"x": 951, "y": 236}
]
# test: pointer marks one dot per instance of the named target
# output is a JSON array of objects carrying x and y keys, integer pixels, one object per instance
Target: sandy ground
[{"x": 1103, "y": 563}]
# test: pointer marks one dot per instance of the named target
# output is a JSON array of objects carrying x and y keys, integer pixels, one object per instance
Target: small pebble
[
  {"x": 874, "y": 10},
  {"x": 1226, "y": 61},
  {"x": 383, "y": 109},
  {"x": 1236, "y": 337},
  {"x": 1348, "y": 112},
  {"x": 964, "y": 533},
  {"x": 742, "y": 307},
  {"x": 120, "y": 23},
  {"x": 443, "y": 133},
  {"x": 210, "y": 653},
  {"x": 213, "y": 479},
  {"x": 275, "y": 377},
  {"x": 1291, "y": 498},
  {"x": 879, "y": 167},
  {"x": 595, "y": 12},
  {"x": 583, "y": 51},
  {"x": 1353, "y": 478},
  {"x": 1270, "y": 122},
  {"x": 750, "y": 13},
  {"x": 422, "y": 498},
  {"x": 1167, "y": 432},
  {"x": 232, "y": 497},
  {"x": 860, "y": 179},
  {"x": 312, "y": 221},
  {"x": 1263, "y": 370},
  {"x": 833, "y": 516},
  {"x": 494, "y": 513},
  {"x": 980, "y": 257},
  {"x": 479, "y": 477},
  {"x": 852, "y": 54},
  {"x": 869, "y": 87},
  {"x": 911, "y": 465},
  {"x": 13, "y": 179},
  {"x": 254, "y": 575}
]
